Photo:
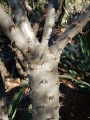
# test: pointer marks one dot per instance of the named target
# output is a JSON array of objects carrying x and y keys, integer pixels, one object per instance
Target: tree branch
[
  {"x": 33, "y": 52},
  {"x": 9, "y": 28},
  {"x": 49, "y": 21},
  {"x": 76, "y": 26},
  {"x": 22, "y": 20},
  {"x": 28, "y": 7}
]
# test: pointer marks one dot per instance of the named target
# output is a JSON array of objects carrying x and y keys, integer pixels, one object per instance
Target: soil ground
[{"x": 76, "y": 105}]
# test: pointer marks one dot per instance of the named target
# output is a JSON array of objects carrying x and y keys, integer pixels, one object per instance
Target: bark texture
[
  {"x": 45, "y": 89},
  {"x": 22, "y": 19},
  {"x": 49, "y": 21},
  {"x": 43, "y": 60}
]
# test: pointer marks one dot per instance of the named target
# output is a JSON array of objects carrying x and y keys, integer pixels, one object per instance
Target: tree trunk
[{"x": 44, "y": 86}]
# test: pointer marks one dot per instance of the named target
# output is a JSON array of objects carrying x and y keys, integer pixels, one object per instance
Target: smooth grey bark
[
  {"x": 49, "y": 21},
  {"x": 22, "y": 20},
  {"x": 45, "y": 89},
  {"x": 43, "y": 64}
]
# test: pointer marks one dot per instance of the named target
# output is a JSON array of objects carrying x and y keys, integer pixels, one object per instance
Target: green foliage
[
  {"x": 5, "y": 6},
  {"x": 77, "y": 64},
  {"x": 4, "y": 2},
  {"x": 15, "y": 101},
  {"x": 79, "y": 84}
]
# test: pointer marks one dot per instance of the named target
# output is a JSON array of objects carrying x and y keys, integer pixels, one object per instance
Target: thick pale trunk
[
  {"x": 43, "y": 71},
  {"x": 44, "y": 86}
]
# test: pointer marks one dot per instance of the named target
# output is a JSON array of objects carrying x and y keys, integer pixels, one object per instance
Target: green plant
[{"x": 77, "y": 63}]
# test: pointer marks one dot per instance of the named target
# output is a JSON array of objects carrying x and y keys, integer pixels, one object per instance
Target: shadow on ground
[{"x": 76, "y": 106}]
